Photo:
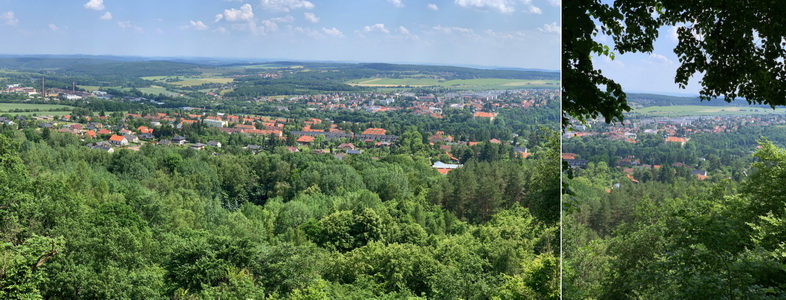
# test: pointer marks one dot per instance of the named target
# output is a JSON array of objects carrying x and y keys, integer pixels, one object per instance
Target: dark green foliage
[
  {"x": 168, "y": 222},
  {"x": 675, "y": 238},
  {"x": 734, "y": 44}
]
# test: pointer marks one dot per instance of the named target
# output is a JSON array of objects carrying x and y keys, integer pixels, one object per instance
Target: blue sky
[
  {"x": 505, "y": 33},
  {"x": 648, "y": 72}
]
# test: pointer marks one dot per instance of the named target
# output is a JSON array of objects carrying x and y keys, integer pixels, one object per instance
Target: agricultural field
[
  {"x": 394, "y": 82},
  {"x": 89, "y": 88},
  {"x": 11, "y": 106},
  {"x": 269, "y": 66},
  {"x": 38, "y": 113},
  {"x": 469, "y": 84},
  {"x": 155, "y": 90},
  {"x": 187, "y": 81},
  {"x": 38, "y": 109},
  {"x": 499, "y": 84},
  {"x": 698, "y": 110}
]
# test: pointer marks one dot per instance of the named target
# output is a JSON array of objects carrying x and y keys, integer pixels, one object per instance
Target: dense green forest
[
  {"x": 169, "y": 222},
  {"x": 670, "y": 235}
]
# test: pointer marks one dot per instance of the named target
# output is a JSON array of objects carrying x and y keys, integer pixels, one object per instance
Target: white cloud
[
  {"x": 503, "y": 6},
  {"x": 531, "y": 8},
  {"x": 267, "y": 26},
  {"x": 432, "y": 6},
  {"x": 9, "y": 18},
  {"x": 306, "y": 31},
  {"x": 53, "y": 27},
  {"x": 403, "y": 30},
  {"x": 220, "y": 30},
  {"x": 500, "y": 35},
  {"x": 285, "y": 5},
  {"x": 375, "y": 27},
  {"x": 311, "y": 17},
  {"x": 610, "y": 62},
  {"x": 128, "y": 25},
  {"x": 333, "y": 32},
  {"x": 95, "y": 5},
  {"x": 245, "y": 13},
  {"x": 673, "y": 33},
  {"x": 196, "y": 25},
  {"x": 553, "y": 27},
  {"x": 286, "y": 19},
  {"x": 106, "y": 16},
  {"x": 451, "y": 30},
  {"x": 660, "y": 58},
  {"x": 396, "y": 3},
  {"x": 555, "y": 2}
]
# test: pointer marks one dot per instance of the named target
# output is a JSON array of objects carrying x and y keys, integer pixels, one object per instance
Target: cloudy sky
[
  {"x": 648, "y": 72},
  {"x": 504, "y": 33}
]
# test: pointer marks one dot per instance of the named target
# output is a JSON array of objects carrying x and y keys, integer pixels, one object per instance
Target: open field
[
  {"x": 393, "y": 82},
  {"x": 698, "y": 110},
  {"x": 268, "y": 66},
  {"x": 89, "y": 88},
  {"x": 188, "y": 81},
  {"x": 155, "y": 90},
  {"x": 4, "y": 107},
  {"x": 474, "y": 84},
  {"x": 500, "y": 84},
  {"x": 38, "y": 113}
]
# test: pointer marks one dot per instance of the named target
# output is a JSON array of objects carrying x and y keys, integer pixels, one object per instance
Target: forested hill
[
  {"x": 449, "y": 72},
  {"x": 49, "y": 62},
  {"x": 132, "y": 69},
  {"x": 140, "y": 66},
  {"x": 169, "y": 222}
]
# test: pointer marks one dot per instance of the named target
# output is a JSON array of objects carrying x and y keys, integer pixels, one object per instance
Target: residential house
[
  {"x": 131, "y": 138},
  {"x": 305, "y": 140},
  {"x": 118, "y": 140},
  {"x": 346, "y": 146},
  {"x": 179, "y": 140},
  {"x": 444, "y": 168}
]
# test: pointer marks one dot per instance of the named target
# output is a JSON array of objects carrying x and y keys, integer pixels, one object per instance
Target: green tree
[{"x": 736, "y": 45}]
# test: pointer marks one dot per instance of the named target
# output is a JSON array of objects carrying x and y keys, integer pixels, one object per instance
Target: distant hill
[
  {"x": 133, "y": 69},
  {"x": 49, "y": 62},
  {"x": 448, "y": 72},
  {"x": 647, "y": 100}
]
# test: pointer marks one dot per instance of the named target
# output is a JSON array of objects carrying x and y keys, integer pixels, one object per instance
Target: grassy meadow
[
  {"x": 698, "y": 110},
  {"x": 473, "y": 84}
]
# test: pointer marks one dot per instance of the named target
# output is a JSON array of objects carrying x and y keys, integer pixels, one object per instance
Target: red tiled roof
[
  {"x": 568, "y": 155},
  {"x": 675, "y": 140},
  {"x": 117, "y": 138},
  {"x": 443, "y": 171},
  {"x": 375, "y": 131},
  {"x": 305, "y": 139}
]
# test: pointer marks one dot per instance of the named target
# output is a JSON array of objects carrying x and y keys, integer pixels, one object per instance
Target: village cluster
[{"x": 673, "y": 131}]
